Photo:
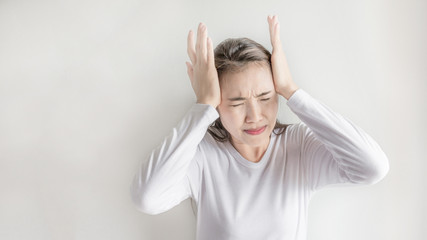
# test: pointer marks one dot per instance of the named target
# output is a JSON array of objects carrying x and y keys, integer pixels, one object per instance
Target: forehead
[{"x": 254, "y": 78}]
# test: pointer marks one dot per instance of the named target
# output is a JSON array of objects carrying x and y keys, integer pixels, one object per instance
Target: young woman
[{"x": 250, "y": 176}]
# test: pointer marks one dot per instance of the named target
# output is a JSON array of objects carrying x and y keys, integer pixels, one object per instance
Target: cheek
[
  {"x": 272, "y": 109},
  {"x": 231, "y": 119}
]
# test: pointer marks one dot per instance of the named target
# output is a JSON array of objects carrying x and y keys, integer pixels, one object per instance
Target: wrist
[
  {"x": 207, "y": 102},
  {"x": 288, "y": 91}
]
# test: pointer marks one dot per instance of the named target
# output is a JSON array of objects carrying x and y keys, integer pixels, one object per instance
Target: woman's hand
[
  {"x": 283, "y": 82},
  {"x": 201, "y": 70}
]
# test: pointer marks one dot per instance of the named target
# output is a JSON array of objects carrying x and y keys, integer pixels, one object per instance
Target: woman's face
[{"x": 249, "y": 101}]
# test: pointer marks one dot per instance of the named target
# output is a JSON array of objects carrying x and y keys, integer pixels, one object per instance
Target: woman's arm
[
  {"x": 161, "y": 182},
  {"x": 333, "y": 149}
]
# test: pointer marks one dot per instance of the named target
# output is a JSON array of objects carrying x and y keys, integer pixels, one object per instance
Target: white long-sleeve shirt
[{"x": 241, "y": 200}]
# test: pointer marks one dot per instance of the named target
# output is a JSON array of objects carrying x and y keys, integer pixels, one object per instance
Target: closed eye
[{"x": 265, "y": 99}]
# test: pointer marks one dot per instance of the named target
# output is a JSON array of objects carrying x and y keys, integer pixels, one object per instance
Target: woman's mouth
[{"x": 255, "y": 131}]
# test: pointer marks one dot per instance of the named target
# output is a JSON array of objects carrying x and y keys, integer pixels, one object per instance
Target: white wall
[{"x": 88, "y": 88}]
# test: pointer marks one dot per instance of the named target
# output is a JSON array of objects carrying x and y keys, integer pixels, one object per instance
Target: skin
[{"x": 250, "y": 82}]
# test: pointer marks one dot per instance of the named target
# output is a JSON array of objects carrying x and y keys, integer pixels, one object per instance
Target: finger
[
  {"x": 271, "y": 30},
  {"x": 201, "y": 42},
  {"x": 190, "y": 47},
  {"x": 270, "y": 19},
  {"x": 275, "y": 32},
  {"x": 277, "y": 42},
  {"x": 199, "y": 29},
  {"x": 211, "y": 59},
  {"x": 277, "y": 28}
]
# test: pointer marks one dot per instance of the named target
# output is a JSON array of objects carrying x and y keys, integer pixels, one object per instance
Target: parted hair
[{"x": 232, "y": 55}]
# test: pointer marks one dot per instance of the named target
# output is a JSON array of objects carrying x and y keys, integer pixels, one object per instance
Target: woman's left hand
[{"x": 282, "y": 78}]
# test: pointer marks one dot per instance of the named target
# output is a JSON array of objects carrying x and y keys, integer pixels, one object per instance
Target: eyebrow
[{"x": 242, "y": 98}]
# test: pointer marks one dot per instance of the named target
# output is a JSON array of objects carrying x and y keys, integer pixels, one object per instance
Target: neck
[{"x": 251, "y": 153}]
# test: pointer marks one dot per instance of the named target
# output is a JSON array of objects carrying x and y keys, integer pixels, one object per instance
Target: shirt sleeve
[
  {"x": 161, "y": 181},
  {"x": 333, "y": 149}
]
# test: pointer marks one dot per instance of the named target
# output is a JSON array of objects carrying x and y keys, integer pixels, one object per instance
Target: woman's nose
[{"x": 253, "y": 112}]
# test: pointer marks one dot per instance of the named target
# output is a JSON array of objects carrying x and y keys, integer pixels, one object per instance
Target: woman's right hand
[{"x": 201, "y": 70}]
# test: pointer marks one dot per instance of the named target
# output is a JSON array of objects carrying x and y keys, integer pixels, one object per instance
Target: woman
[{"x": 250, "y": 176}]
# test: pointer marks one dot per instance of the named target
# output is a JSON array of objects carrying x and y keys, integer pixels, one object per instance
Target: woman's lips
[{"x": 256, "y": 131}]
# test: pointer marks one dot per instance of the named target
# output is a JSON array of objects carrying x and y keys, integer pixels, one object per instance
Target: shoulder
[
  {"x": 209, "y": 145},
  {"x": 208, "y": 139}
]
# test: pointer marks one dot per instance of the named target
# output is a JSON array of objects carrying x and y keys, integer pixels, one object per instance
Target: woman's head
[
  {"x": 233, "y": 54},
  {"x": 248, "y": 97}
]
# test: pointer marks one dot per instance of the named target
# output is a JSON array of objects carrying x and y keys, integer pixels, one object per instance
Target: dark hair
[{"x": 233, "y": 55}]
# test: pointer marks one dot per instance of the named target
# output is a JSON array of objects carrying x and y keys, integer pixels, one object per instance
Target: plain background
[{"x": 88, "y": 88}]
